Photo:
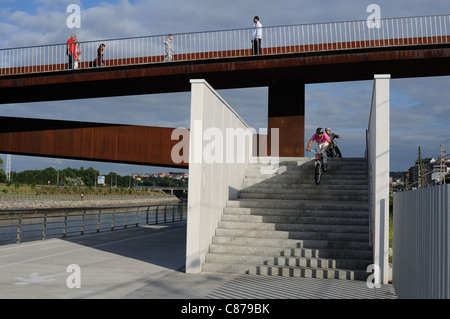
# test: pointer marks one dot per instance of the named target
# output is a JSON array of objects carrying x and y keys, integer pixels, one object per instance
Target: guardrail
[
  {"x": 285, "y": 39},
  {"x": 17, "y": 226}
]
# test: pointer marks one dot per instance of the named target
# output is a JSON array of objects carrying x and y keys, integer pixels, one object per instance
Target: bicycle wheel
[
  {"x": 338, "y": 152},
  {"x": 318, "y": 173}
]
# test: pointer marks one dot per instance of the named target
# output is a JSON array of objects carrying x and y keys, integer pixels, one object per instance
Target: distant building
[
  {"x": 431, "y": 172},
  {"x": 437, "y": 175}
]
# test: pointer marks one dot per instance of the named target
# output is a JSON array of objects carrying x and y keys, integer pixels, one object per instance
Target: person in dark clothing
[
  {"x": 100, "y": 52},
  {"x": 257, "y": 36}
]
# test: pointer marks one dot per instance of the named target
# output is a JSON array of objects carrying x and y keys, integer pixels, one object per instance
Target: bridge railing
[
  {"x": 344, "y": 35},
  {"x": 18, "y": 226}
]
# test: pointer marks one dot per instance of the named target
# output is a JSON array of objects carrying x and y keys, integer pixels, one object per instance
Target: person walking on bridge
[
  {"x": 169, "y": 48},
  {"x": 257, "y": 36},
  {"x": 70, "y": 51},
  {"x": 100, "y": 51}
]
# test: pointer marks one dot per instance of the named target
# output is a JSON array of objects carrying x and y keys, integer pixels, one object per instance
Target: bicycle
[
  {"x": 318, "y": 166},
  {"x": 334, "y": 151}
]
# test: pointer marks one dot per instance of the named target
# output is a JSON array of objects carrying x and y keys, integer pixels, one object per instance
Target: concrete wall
[
  {"x": 378, "y": 158},
  {"x": 214, "y": 175},
  {"x": 421, "y": 261}
]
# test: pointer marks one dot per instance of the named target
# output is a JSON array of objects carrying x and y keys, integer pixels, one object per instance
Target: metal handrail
[
  {"x": 231, "y": 43},
  {"x": 19, "y": 225}
]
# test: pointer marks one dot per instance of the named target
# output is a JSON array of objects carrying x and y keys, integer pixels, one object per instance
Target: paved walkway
[{"x": 146, "y": 263}]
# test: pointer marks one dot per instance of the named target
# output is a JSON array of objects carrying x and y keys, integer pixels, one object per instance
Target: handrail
[
  {"x": 231, "y": 43},
  {"x": 19, "y": 225}
]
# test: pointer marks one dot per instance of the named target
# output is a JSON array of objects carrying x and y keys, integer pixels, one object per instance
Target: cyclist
[
  {"x": 331, "y": 135},
  {"x": 323, "y": 145}
]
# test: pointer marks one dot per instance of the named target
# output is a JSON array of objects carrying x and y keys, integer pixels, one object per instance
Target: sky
[{"x": 420, "y": 107}]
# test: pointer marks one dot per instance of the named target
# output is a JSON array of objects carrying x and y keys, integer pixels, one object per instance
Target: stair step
[
  {"x": 308, "y": 180},
  {"x": 297, "y": 204},
  {"x": 328, "y": 263},
  {"x": 302, "y": 160},
  {"x": 306, "y": 169},
  {"x": 343, "y": 274},
  {"x": 290, "y": 196},
  {"x": 319, "y": 213},
  {"x": 304, "y": 191},
  {"x": 228, "y": 268},
  {"x": 354, "y": 229},
  {"x": 301, "y": 187},
  {"x": 366, "y": 255},
  {"x": 294, "y": 219},
  {"x": 291, "y": 243},
  {"x": 293, "y": 234},
  {"x": 304, "y": 175}
]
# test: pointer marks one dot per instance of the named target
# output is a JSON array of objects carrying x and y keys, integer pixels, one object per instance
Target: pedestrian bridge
[{"x": 291, "y": 54}]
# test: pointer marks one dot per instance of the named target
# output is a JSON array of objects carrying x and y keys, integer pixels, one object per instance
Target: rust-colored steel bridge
[{"x": 292, "y": 56}]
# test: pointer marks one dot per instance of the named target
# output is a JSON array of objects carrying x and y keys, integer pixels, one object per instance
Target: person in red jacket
[{"x": 71, "y": 48}]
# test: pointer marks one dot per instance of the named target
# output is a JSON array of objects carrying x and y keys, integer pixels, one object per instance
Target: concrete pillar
[
  {"x": 287, "y": 112},
  {"x": 379, "y": 148}
]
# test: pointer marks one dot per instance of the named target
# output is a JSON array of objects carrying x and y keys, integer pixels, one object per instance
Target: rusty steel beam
[{"x": 142, "y": 145}]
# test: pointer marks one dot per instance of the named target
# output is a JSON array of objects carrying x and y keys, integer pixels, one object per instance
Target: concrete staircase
[{"x": 284, "y": 224}]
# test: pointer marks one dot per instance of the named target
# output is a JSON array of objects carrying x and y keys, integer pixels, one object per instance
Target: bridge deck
[
  {"x": 308, "y": 48},
  {"x": 146, "y": 263}
]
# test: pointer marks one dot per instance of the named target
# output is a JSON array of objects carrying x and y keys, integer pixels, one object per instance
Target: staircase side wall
[
  {"x": 378, "y": 158},
  {"x": 219, "y": 151}
]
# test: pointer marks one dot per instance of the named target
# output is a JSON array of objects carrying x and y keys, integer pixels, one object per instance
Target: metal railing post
[
  {"x": 99, "y": 214},
  {"x": 137, "y": 217},
  {"x": 146, "y": 216},
  {"x": 44, "y": 226},
  {"x": 83, "y": 218},
  {"x": 65, "y": 224},
  {"x": 19, "y": 228},
  {"x": 165, "y": 214},
  {"x": 113, "y": 219},
  {"x": 125, "y": 225}
]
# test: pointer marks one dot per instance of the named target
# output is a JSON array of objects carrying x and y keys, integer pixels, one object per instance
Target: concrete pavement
[{"x": 145, "y": 263}]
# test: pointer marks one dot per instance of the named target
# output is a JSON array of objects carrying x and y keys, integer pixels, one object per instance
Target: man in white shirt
[
  {"x": 257, "y": 35},
  {"x": 169, "y": 48}
]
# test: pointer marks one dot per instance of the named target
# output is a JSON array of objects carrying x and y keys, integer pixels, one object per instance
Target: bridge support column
[{"x": 287, "y": 113}]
